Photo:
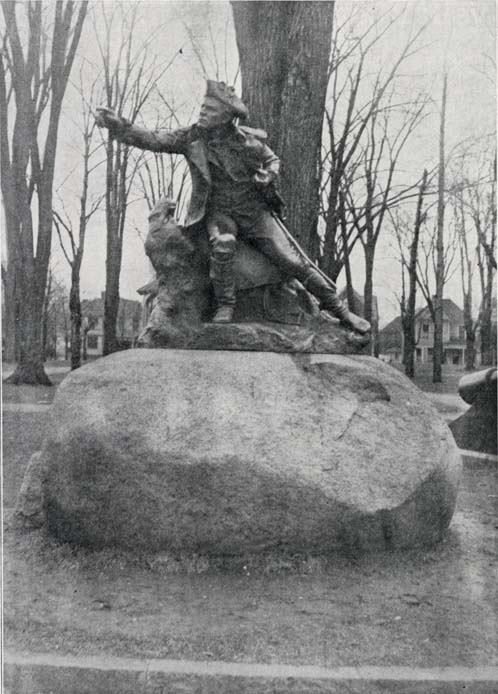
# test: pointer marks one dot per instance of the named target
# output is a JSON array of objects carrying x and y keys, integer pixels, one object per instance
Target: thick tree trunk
[
  {"x": 284, "y": 50},
  {"x": 30, "y": 369},
  {"x": 470, "y": 352},
  {"x": 10, "y": 321},
  {"x": 111, "y": 301}
]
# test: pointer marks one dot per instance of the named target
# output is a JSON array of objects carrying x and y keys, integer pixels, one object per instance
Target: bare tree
[
  {"x": 408, "y": 303},
  {"x": 467, "y": 267},
  {"x": 427, "y": 268},
  {"x": 483, "y": 213},
  {"x": 130, "y": 76},
  {"x": 284, "y": 50},
  {"x": 30, "y": 81},
  {"x": 438, "y": 298},
  {"x": 348, "y": 121},
  {"x": 374, "y": 192},
  {"x": 55, "y": 318},
  {"x": 473, "y": 194},
  {"x": 71, "y": 242}
]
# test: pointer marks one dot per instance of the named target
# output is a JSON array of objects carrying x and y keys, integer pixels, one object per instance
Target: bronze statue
[
  {"x": 273, "y": 313},
  {"x": 232, "y": 170}
]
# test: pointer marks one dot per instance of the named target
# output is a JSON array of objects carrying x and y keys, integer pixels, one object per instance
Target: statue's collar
[{"x": 217, "y": 135}]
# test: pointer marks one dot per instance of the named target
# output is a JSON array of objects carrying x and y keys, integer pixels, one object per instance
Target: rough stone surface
[
  {"x": 477, "y": 428},
  {"x": 228, "y": 452},
  {"x": 29, "y": 508},
  {"x": 317, "y": 335}
]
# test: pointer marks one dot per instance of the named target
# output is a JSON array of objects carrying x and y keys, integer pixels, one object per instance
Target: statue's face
[{"x": 213, "y": 114}]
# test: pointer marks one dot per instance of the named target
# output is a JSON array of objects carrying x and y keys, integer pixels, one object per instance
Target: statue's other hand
[{"x": 107, "y": 118}]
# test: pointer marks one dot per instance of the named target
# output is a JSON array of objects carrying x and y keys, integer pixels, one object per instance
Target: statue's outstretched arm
[{"x": 172, "y": 141}]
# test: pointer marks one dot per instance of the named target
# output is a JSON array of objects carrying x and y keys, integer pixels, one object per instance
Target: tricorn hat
[{"x": 228, "y": 97}]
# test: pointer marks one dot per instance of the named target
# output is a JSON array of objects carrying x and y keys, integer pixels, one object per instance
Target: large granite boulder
[{"x": 228, "y": 452}]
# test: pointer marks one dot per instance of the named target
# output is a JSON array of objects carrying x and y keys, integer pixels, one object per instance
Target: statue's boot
[
  {"x": 329, "y": 301},
  {"x": 222, "y": 276}
]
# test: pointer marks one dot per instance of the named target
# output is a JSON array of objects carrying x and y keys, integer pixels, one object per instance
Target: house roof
[
  {"x": 451, "y": 312},
  {"x": 393, "y": 327},
  {"x": 95, "y": 307}
]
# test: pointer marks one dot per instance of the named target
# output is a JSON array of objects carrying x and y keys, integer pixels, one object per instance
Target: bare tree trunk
[
  {"x": 76, "y": 319},
  {"x": 111, "y": 301},
  {"x": 368, "y": 289},
  {"x": 9, "y": 324},
  {"x": 46, "y": 305},
  {"x": 284, "y": 50},
  {"x": 84, "y": 350},
  {"x": 488, "y": 338},
  {"x": 347, "y": 265},
  {"x": 36, "y": 81},
  {"x": 438, "y": 323},
  {"x": 470, "y": 348},
  {"x": 115, "y": 216},
  {"x": 128, "y": 84},
  {"x": 30, "y": 366},
  {"x": 487, "y": 341},
  {"x": 409, "y": 342}
]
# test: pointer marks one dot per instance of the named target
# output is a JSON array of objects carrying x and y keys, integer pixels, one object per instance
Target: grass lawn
[
  {"x": 23, "y": 434},
  {"x": 451, "y": 377},
  {"x": 422, "y": 608}
]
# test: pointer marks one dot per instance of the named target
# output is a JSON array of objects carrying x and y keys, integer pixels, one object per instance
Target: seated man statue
[{"x": 232, "y": 167}]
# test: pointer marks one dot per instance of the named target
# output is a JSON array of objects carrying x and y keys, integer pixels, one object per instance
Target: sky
[{"x": 198, "y": 38}]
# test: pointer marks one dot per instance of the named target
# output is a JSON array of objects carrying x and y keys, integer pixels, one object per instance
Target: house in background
[
  {"x": 453, "y": 335},
  {"x": 391, "y": 336},
  {"x": 127, "y": 327}
]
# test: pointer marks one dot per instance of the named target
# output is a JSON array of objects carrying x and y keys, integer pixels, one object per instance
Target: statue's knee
[{"x": 223, "y": 246}]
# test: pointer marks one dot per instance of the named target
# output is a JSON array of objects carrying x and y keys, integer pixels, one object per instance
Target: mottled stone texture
[
  {"x": 228, "y": 452},
  {"x": 316, "y": 335},
  {"x": 29, "y": 511}
]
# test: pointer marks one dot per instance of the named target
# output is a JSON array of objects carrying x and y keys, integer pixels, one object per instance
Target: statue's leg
[
  {"x": 268, "y": 236},
  {"x": 222, "y": 232}
]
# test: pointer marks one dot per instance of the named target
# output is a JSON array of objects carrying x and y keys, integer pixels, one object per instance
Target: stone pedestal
[{"x": 230, "y": 452}]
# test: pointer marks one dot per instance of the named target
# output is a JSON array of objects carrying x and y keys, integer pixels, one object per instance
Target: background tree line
[{"x": 342, "y": 121}]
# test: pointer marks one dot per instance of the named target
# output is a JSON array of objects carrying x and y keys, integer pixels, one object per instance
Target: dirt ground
[{"x": 426, "y": 608}]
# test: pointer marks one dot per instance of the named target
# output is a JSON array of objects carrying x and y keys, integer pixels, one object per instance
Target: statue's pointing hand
[{"x": 107, "y": 118}]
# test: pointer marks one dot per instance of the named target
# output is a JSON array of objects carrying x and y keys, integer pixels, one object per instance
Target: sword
[{"x": 301, "y": 252}]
